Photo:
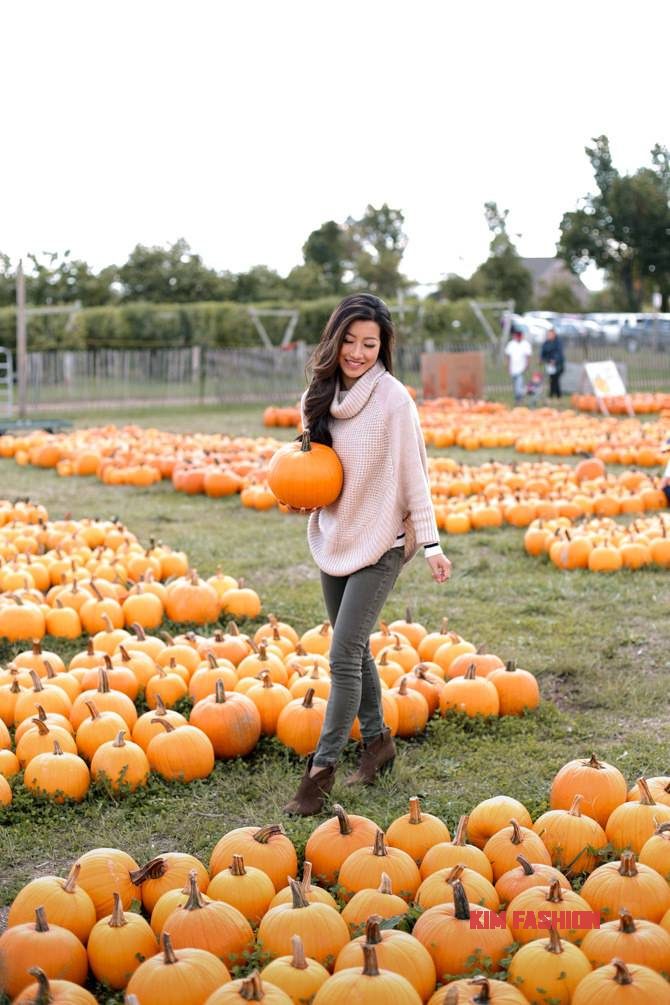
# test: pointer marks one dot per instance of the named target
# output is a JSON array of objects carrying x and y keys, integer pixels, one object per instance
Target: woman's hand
[{"x": 440, "y": 568}]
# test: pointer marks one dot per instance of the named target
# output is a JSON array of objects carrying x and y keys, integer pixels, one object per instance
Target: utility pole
[{"x": 21, "y": 348}]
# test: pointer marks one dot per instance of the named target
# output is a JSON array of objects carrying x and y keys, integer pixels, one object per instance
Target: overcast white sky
[{"x": 244, "y": 125}]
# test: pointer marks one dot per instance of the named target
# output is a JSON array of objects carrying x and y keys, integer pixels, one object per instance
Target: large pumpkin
[{"x": 305, "y": 475}]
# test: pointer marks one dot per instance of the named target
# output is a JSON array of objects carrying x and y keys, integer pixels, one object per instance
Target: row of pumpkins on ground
[
  {"x": 601, "y": 545},
  {"x": 218, "y": 464},
  {"x": 547, "y": 431},
  {"x": 74, "y": 724},
  {"x": 67, "y": 577},
  {"x": 642, "y": 402},
  {"x": 562, "y": 942}
]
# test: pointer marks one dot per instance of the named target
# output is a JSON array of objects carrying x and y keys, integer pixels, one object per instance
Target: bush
[{"x": 217, "y": 325}]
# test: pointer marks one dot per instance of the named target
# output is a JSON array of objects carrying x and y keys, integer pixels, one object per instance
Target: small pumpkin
[
  {"x": 177, "y": 976},
  {"x": 118, "y": 944}
]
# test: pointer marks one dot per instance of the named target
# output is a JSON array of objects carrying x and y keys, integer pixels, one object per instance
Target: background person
[
  {"x": 518, "y": 351},
  {"x": 665, "y": 477},
  {"x": 361, "y": 541},
  {"x": 551, "y": 355}
]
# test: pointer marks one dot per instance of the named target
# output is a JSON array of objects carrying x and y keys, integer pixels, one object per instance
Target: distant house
[{"x": 548, "y": 272}]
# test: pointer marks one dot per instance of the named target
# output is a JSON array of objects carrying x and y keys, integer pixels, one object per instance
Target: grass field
[{"x": 599, "y": 645}]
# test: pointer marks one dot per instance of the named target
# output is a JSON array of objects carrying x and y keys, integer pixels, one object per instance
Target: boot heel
[{"x": 386, "y": 766}]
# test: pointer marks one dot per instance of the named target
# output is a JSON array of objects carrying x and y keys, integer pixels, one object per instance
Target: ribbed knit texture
[{"x": 377, "y": 436}]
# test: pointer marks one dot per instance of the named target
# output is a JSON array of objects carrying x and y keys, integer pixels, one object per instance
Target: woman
[
  {"x": 361, "y": 541},
  {"x": 551, "y": 354}
]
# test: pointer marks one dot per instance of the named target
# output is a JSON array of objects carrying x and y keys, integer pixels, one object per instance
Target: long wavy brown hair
[{"x": 323, "y": 367}]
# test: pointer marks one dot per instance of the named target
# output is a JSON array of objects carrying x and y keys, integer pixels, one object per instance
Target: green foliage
[
  {"x": 560, "y": 297},
  {"x": 455, "y": 287},
  {"x": 325, "y": 252},
  {"x": 173, "y": 273},
  {"x": 502, "y": 276},
  {"x": 624, "y": 227}
]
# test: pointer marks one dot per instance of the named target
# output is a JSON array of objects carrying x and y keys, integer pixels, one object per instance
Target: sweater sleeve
[{"x": 410, "y": 465}]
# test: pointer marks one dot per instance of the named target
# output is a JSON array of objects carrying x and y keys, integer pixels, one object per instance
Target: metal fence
[{"x": 65, "y": 380}]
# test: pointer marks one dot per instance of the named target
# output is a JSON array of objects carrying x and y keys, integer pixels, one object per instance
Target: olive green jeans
[{"x": 354, "y": 604}]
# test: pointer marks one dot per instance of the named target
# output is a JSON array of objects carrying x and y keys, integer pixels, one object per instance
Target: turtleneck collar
[{"x": 358, "y": 395}]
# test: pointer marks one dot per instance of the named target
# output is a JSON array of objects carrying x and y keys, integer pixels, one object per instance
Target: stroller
[{"x": 535, "y": 390}]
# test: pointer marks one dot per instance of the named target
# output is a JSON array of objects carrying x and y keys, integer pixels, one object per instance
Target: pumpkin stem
[
  {"x": 165, "y": 723},
  {"x": 306, "y": 880},
  {"x": 299, "y": 650},
  {"x": 461, "y": 906},
  {"x": 325, "y": 628},
  {"x": 42, "y": 727},
  {"x": 555, "y": 894},
  {"x": 460, "y": 837},
  {"x": 298, "y": 894},
  {"x": 483, "y": 996},
  {"x": 471, "y": 672},
  {"x": 195, "y": 901},
  {"x": 555, "y": 944},
  {"x": 628, "y": 865},
  {"x": 237, "y": 866},
  {"x": 622, "y": 974},
  {"x": 118, "y": 918},
  {"x": 41, "y": 714},
  {"x": 373, "y": 935},
  {"x": 58, "y": 750},
  {"x": 265, "y": 677},
  {"x": 263, "y": 834},
  {"x": 211, "y": 659},
  {"x": 626, "y": 922},
  {"x": 160, "y": 706},
  {"x": 455, "y": 873},
  {"x": 663, "y": 828},
  {"x": 304, "y": 442},
  {"x": 119, "y": 741},
  {"x": 169, "y": 955},
  {"x": 44, "y": 995},
  {"x": 41, "y": 924},
  {"x": 37, "y": 682},
  {"x": 510, "y": 666},
  {"x": 380, "y": 844},
  {"x": 219, "y": 692},
  {"x": 402, "y": 686},
  {"x": 370, "y": 965},
  {"x": 155, "y": 868},
  {"x": 251, "y": 988},
  {"x": 51, "y": 673},
  {"x": 139, "y": 631},
  {"x": 307, "y": 700},
  {"x": 70, "y": 883},
  {"x": 103, "y": 681},
  {"x": 517, "y": 836},
  {"x": 298, "y": 960},
  {"x": 525, "y": 865},
  {"x": 574, "y": 810},
  {"x": 342, "y": 819},
  {"x": 646, "y": 798},
  {"x": 415, "y": 809},
  {"x": 385, "y": 885},
  {"x": 593, "y": 762}
]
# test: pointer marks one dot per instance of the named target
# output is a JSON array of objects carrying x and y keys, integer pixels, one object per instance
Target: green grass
[{"x": 597, "y": 643}]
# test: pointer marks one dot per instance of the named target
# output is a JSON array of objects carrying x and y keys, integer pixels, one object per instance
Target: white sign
[{"x": 605, "y": 379}]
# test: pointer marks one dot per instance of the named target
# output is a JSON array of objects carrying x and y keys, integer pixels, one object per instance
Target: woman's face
[{"x": 359, "y": 350}]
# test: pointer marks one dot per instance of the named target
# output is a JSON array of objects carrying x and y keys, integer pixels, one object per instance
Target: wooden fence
[{"x": 63, "y": 380}]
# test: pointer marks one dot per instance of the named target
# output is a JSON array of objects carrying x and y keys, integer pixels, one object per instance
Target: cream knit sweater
[{"x": 377, "y": 436}]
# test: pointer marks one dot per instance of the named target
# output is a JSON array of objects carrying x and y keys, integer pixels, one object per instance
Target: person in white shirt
[{"x": 518, "y": 351}]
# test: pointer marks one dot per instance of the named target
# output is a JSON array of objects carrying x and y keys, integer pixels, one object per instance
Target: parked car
[
  {"x": 646, "y": 333},
  {"x": 578, "y": 330}
]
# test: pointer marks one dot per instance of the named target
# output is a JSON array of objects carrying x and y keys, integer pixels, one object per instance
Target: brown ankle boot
[
  {"x": 377, "y": 756},
  {"x": 312, "y": 791}
]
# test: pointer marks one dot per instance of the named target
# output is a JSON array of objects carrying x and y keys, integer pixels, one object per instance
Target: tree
[
  {"x": 7, "y": 282},
  {"x": 259, "y": 283},
  {"x": 454, "y": 287},
  {"x": 561, "y": 298},
  {"x": 623, "y": 228},
  {"x": 325, "y": 252},
  {"x": 170, "y": 274},
  {"x": 375, "y": 246},
  {"x": 502, "y": 276}
]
